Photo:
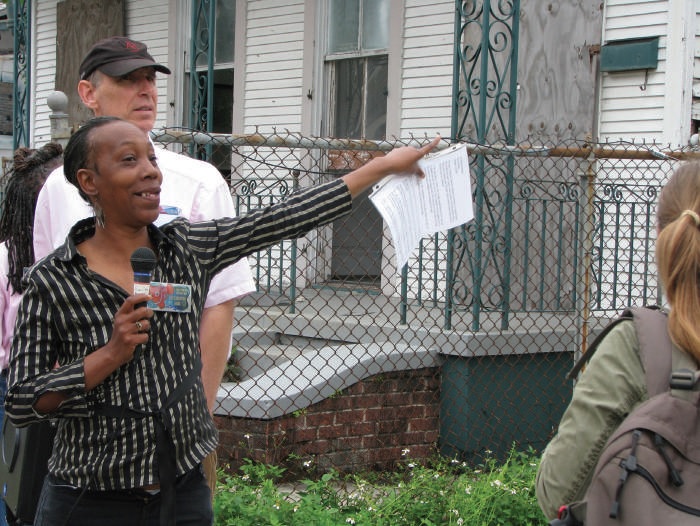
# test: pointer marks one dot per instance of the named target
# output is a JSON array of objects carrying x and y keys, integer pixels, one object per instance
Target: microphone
[{"x": 143, "y": 261}]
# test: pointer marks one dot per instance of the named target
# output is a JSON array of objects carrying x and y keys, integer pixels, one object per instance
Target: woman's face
[{"x": 124, "y": 178}]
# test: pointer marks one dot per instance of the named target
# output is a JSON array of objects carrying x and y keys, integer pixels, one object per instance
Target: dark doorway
[{"x": 360, "y": 112}]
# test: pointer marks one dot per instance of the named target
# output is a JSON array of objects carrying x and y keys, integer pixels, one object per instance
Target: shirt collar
[{"x": 85, "y": 229}]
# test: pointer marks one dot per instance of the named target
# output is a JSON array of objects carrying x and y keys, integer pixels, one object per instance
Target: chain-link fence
[{"x": 344, "y": 361}]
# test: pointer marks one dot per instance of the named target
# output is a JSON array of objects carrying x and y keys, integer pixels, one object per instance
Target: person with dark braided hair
[{"x": 30, "y": 169}]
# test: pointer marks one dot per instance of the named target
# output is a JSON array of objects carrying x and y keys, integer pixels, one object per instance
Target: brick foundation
[{"x": 364, "y": 427}]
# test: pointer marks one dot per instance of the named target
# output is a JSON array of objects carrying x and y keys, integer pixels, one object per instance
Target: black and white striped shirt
[{"x": 67, "y": 312}]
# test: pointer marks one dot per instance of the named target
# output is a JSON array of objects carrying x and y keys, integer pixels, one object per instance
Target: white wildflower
[
  {"x": 350, "y": 520},
  {"x": 405, "y": 452}
]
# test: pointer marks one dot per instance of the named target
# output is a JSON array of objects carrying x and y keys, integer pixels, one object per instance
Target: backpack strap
[
  {"x": 650, "y": 324},
  {"x": 593, "y": 347},
  {"x": 655, "y": 347}
]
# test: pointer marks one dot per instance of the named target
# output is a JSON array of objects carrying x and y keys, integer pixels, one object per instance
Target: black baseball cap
[{"x": 117, "y": 56}]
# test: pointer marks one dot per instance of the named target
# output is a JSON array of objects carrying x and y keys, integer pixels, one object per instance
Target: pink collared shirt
[{"x": 9, "y": 304}]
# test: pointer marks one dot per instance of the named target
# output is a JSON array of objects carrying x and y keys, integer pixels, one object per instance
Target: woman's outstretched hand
[{"x": 403, "y": 160}]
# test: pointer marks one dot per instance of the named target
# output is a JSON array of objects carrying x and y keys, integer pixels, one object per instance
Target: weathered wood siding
[
  {"x": 274, "y": 65},
  {"x": 696, "y": 70},
  {"x": 274, "y": 62},
  {"x": 43, "y": 68},
  {"x": 145, "y": 21},
  {"x": 148, "y": 22},
  {"x": 627, "y": 110},
  {"x": 428, "y": 49},
  {"x": 74, "y": 40},
  {"x": 556, "y": 72}
]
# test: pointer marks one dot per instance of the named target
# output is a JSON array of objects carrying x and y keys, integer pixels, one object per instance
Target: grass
[{"x": 442, "y": 492}]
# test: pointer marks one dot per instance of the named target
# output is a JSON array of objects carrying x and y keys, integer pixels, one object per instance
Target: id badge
[{"x": 170, "y": 297}]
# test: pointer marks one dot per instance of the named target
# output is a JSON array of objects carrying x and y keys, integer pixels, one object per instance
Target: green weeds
[{"x": 442, "y": 492}]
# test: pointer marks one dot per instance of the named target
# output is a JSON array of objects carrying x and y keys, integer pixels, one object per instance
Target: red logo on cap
[{"x": 131, "y": 46}]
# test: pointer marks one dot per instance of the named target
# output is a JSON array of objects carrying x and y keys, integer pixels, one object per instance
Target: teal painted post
[
  {"x": 481, "y": 130},
  {"x": 454, "y": 132},
  {"x": 489, "y": 92},
  {"x": 203, "y": 34},
  {"x": 22, "y": 71},
  {"x": 510, "y": 171},
  {"x": 211, "y": 24},
  {"x": 194, "y": 98}
]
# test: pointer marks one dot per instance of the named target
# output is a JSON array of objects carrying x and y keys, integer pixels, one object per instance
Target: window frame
[
  {"x": 178, "y": 107},
  {"x": 317, "y": 116}
]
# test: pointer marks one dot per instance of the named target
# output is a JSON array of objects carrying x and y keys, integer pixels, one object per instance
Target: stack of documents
[{"x": 415, "y": 207}]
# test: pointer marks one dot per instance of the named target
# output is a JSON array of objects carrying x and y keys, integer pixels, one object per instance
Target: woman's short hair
[{"x": 78, "y": 152}]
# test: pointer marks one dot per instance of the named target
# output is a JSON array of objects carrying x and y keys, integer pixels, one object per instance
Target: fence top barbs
[{"x": 274, "y": 139}]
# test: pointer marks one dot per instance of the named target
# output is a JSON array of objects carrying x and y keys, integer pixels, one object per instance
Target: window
[
  {"x": 357, "y": 60},
  {"x": 210, "y": 90},
  {"x": 360, "y": 96}
]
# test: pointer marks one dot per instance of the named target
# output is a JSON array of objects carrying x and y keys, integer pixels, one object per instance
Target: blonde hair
[{"x": 678, "y": 255}]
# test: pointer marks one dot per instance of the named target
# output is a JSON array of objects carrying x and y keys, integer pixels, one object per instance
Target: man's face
[{"x": 132, "y": 97}]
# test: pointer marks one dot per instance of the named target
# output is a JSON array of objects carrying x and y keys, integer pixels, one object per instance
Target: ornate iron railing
[
  {"x": 484, "y": 104},
  {"x": 201, "y": 83}
]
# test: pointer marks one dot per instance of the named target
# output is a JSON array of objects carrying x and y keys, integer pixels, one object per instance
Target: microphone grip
[{"x": 142, "y": 285}]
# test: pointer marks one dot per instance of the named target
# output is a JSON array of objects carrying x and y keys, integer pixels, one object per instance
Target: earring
[{"x": 99, "y": 214}]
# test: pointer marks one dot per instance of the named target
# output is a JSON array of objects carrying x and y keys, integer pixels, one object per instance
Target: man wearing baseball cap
[
  {"x": 117, "y": 56},
  {"x": 118, "y": 78}
]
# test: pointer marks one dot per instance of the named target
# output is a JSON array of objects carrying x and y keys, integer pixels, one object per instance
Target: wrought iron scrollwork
[
  {"x": 201, "y": 79},
  {"x": 22, "y": 69},
  {"x": 484, "y": 104}
]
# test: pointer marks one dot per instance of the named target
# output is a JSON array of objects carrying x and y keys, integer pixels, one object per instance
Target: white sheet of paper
[{"x": 413, "y": 207}]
